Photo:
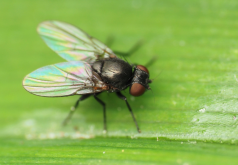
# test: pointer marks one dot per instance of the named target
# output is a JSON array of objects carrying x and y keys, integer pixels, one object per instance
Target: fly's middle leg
[{"x": 104, "y": 112}]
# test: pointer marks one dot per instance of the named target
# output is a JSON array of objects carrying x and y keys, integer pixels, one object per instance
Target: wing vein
[{"x": 72, "y": 43}]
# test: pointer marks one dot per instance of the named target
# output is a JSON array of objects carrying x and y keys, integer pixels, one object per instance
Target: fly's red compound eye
[
  {"x": 137, "y": 89},
  {"x": 141, "y": 67}
]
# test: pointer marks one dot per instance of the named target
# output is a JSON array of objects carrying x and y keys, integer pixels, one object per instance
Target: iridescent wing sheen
[
  {"x": 71, "y": 43},
  {"x": 63, "y": 79}
]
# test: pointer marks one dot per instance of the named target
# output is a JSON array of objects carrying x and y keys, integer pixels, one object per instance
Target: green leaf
[
  {"x": 115, "y": 151},
  {"x": 193, "y": 98}
]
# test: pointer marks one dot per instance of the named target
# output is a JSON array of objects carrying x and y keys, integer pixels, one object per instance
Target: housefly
[{"x": 91, "y": 68}]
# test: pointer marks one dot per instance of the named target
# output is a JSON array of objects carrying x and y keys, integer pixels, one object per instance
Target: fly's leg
[
  {"x": 128, "y": 106},
  {"x": 131, "y": 51},
  {"x": 104, "y": 112},
  {"x": 151, "y": 62},
  {"x": 109, "y": 41},
  {"x": 73, "y": 109}
]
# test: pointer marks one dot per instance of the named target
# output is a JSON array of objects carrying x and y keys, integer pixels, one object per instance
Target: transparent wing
[
  {"x": 72, "y": 43},
  {"x": 63, "y": 79}
]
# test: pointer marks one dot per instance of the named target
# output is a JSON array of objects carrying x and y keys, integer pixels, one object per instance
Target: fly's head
[{"x": 140, "y": 81}]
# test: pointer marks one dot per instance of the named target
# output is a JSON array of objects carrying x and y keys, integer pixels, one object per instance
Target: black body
[
  {"x": 118, "y": 75},
  {"x": 114, "y": 72}
]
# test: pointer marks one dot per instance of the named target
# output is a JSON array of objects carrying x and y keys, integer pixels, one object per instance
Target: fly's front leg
[
  {"x": 104, "y": 111},
  {"x": 121, "y": 96},
  {"x": 131, "y": 51},
  {"x": 151, "y": 62},
  {"x": 83, "y": 97}
]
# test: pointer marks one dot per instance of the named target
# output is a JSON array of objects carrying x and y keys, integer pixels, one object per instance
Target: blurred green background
[{"x": 189, "y": 117}]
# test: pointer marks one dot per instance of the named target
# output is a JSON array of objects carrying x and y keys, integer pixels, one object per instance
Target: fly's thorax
[
  {"x": 97, "y": 66},
  {"x": 115, "y": 72}
]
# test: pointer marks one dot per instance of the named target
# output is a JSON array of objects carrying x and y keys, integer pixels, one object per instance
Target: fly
[{"x": 91, "y": 69}]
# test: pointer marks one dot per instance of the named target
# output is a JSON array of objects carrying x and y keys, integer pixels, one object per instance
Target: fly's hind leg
[
  {"x": 73, "y": 109},
  {"x": 121, "y": 96},
  {"x": 104, "y": 112}
]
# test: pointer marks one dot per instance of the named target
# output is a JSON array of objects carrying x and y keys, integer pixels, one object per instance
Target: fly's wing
[
  {"x": 63, "y": 79},
  {"x": 71, "y": 43}
]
